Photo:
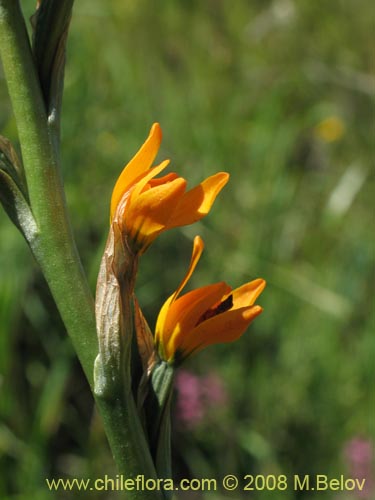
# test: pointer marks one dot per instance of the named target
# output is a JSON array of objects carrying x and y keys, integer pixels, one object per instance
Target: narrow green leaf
[
  {"x": 51, "y": 24},
  {"x": 16, "y": 206},
  {"x": 11, "y": 163},
  {"x": 163, "y": 448},
  {"x": 13, "y": 191},
  {"x": 157, "y": 413}
]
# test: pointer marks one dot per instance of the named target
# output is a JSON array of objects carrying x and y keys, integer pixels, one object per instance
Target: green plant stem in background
[{"x": 53, "y": 246}]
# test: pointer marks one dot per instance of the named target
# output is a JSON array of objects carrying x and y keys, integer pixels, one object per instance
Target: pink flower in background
[
  {"x": 359, "y": 456},
  {"x": 213, "y": 391},
  {"x": 189, "y": 409},
  {"x": 197, "y": 396}
]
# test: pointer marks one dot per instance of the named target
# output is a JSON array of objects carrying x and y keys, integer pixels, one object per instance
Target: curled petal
[
  {"x": 148, "y": 214},
  {"x": 247, "y": 294},
  {"x": 185, "y": 313},
  {"x": 146, "y": 178},
  {"x": 163, "y": 316},
  {"x": 141, "y": 162},
  {"x": 188, "y": 309},
  {"x": 198, "y": 247},
  {"x": 160, "y": 329},
  {"x": 162, "y": 180},
  {"x": 197, "y": 202},
  {"x": 226, "y": 327}
]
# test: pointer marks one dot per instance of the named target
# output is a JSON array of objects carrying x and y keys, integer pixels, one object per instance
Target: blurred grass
[{"x": 279, "y": 94}]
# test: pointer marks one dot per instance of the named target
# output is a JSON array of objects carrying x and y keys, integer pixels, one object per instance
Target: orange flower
[
  {"x": 207, "y": 315},
  {"x": 144, "y": 206}
]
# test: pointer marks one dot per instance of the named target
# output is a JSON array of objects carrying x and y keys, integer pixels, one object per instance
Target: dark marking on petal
[{"x": 225, "y": 305}]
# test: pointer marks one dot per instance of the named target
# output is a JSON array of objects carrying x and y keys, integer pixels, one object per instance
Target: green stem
[
  {"x": 128, "y": 443},
  {"x": 54, "y": 246}
]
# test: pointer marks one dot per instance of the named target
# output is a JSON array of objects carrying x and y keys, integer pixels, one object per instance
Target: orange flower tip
[
  {"x": 137, "y": 166},
  {"x": 257, "y": 286},
  {"x": 252, "y": 312},
  {"x": 222, "y": 178},
  {"x": 198, "y": 243},
  {"x": 260, "y": 283},
  {"x": 156, "y": 132},
  {"x": 225, "y": 176}
]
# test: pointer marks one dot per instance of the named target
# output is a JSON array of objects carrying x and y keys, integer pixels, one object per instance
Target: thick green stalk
[
  {"x": 53, "y": 244},
  {"x": 128, "y": 444}
]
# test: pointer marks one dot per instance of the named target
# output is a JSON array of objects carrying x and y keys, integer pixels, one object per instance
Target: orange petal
[
  {"x": 247, "y": 294},
  {"x": 127, "y": 197},
  {"x": 198, "y": 201},
  {"x": 160, "y": 328},
  {"x": 225, "y": 327},
  {"x": 186, "y": 311},
  {"x": 140, "y": 162},
  {"x": 198, "y": 247},
  {"x": 149, "y": 212},
  {"x": 161, "y": 321},
  {"x": 147, "y": 177},
  {"x": 163, "y": 180}
]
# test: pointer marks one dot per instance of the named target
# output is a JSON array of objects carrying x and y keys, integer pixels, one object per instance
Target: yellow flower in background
[
  {"x": 144, "y": 205},
  {"x": 330, "y": 129},
  {"x": 208, "y": 315}
]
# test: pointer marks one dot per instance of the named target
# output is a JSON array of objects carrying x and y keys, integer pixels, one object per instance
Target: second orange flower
[{"x": 208, "y": 315}]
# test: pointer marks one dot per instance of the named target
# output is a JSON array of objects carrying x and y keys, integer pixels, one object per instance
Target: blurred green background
[{"x": 279, "y": 94}]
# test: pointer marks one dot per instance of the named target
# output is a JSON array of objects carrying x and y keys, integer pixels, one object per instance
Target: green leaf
[
  {"x": 157, "y": 412},
  {"x": 51, "y": 24},
  {"x": 10, "y": 162},
  {"x": 13, "y": 192}
]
